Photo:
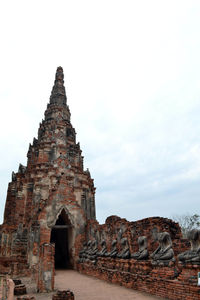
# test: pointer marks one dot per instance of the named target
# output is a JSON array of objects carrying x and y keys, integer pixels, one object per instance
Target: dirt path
[{"x": 90, "y": 288}]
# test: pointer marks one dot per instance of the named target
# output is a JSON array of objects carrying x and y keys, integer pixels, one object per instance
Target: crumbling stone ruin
[
  {"x": 27, "y": 297},
  {"x": 49, "y": 223},
  {"x": 20, "y": 288},
  {"x": 63, "y": 295},
  {"x": 149, "y": 255},
  {"x": 50, "y": 200},
  {"x": 192, "y": 255}
]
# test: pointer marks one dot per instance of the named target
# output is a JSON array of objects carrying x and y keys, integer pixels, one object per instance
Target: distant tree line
[{"x": 187, "y": 222}]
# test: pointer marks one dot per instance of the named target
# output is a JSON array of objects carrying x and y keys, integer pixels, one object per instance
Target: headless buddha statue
[
  {"x": 143, "y": 251},
  {"x": 93, "y": 253},
  {"x": 164, "y": 253},
  {"x": 103, "y": 250},
  {"x": 125, "y": 253},
  {"x": 113, "y": 252},
  {"x": 192, "y": 255},
  {"x": 87, "y": 251},
  {"x": 82, "y": 252}
]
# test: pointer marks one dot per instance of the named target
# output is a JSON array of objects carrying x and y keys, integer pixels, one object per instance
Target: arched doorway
[{"x": 60, "y": 236}]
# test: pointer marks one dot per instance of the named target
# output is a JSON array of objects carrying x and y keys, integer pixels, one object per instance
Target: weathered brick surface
[
  {"x": 63, "y": 295},
  {"x": 53, "y": 181},
  {"x": 20, "y": 289},
  {"x": 45, "y": 280},
  {"x": 148, "y": 227},
  {"x": 174, "y": 281},
  {"x": 159, "y": 281},
  {"x": 26, "y": 297}
]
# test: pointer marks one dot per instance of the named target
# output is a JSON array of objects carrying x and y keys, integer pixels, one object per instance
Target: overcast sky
[{"x": 132, "y": 76}]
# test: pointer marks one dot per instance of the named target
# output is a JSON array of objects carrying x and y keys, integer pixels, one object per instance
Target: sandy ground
[{"x": 88, "y": 288}]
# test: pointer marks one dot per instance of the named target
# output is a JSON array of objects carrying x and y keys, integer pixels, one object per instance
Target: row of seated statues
[{"x": 163, "y": 254}]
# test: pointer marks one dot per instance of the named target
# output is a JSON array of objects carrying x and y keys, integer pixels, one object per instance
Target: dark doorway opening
[{"x": 60, "y": 234}]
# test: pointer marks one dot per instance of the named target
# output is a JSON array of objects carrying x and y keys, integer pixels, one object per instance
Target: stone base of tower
[
  {"x": 35, "y": 259},
  {"x": 14, "y": 266}
]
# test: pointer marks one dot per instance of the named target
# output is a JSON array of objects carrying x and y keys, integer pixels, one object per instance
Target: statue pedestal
[
  {"x": 189, "y": 273},
  {"x": 142, "y": 267},
  {"x": 164, "y": 272}
]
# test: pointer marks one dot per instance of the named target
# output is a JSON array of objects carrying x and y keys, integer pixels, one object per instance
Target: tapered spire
[{"x": 58, "y": 95}]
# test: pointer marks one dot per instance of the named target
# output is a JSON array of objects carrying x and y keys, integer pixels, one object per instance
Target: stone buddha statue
[
  {"x": 87, "y": 250},
  {"x": 164, "y": 253},
  {"x": 82, "y": 252},
  {"x": 94, "y": 249},
  {"x": 113, "y": 252},
  {"x": 143, "y": 251},
  {"x": 125, "y": 253},
  {"x": 103, "y": 250},
  {"x": 192, "y": 255}
]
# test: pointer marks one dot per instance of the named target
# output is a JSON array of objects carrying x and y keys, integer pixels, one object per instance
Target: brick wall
[
  {"x": 174, "y": 281},
  {"x": 46, "y": 270}
]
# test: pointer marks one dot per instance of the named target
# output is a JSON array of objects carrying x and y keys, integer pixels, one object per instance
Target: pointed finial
[
  {"x": 59, "y": 74},
  {"x": 58, "y": 95}
]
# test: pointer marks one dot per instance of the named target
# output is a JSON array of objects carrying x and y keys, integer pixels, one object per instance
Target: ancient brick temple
[
  {"x": 49, "y": 222},
  {"x": 49, "y": 200}
]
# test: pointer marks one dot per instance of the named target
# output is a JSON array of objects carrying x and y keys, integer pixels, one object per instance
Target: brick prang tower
[{"x": 53, "y": 190}]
